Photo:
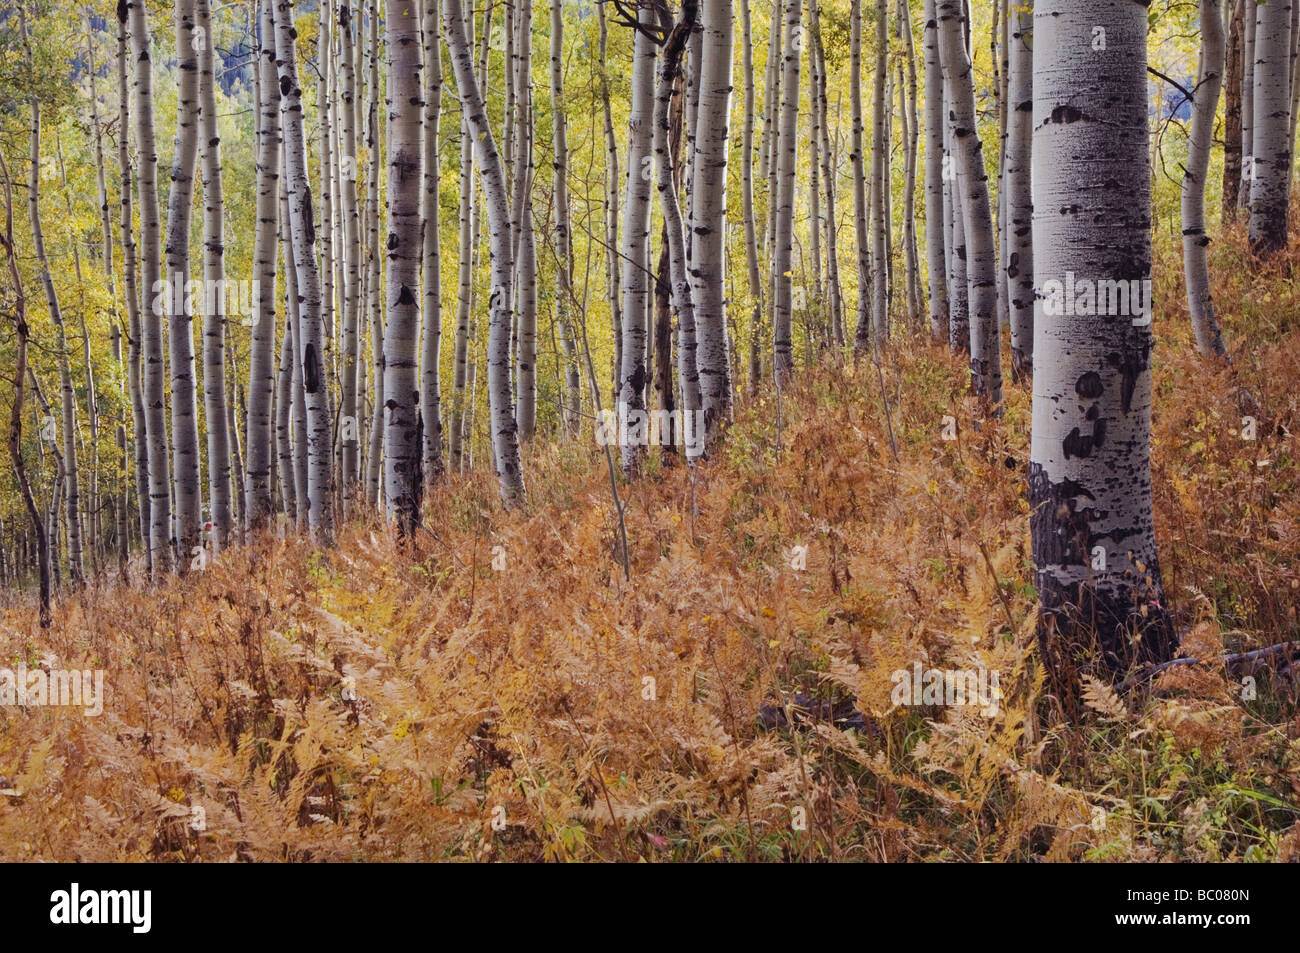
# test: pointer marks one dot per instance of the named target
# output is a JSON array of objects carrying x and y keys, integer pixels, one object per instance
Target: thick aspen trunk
[{"x": 1097, "y": 567}]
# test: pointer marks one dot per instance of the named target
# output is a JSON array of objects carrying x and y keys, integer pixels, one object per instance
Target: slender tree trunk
[
  {"x": 1271, "y": 155},
  {"x": 829, "y": 177},
  {"x": 505, "y": 437},
  {"x": 613, "y": 265},
  {"x": 19, "y": 318},
  {"x": 465, "y": 275},
  {"x": 709, "y": 195},
  {"x": 68, "y": 395},
  {"x": 747, "y": 178},
  {"x": 1248, "y": 20},
  {"x": 1232, "y": 111},
  {"x": 302, "y": 230},
  {"x": 130, "y": 284},
  {"x": 375, "y": 449},
  {"x": 563, "y": 229},
  {"x": 675, "y": 244},
  {"x": 1196, "y": 266},
  {"x": 911, "y": 251},
  {"x": 787, "y": 155},
  {"x": 1019, "y": 262},
  {"x": 879, "y": 190},
  {"x": 214, "y": 297},
  {"x": 862, "y": 336},
  {"x": 350, "y": 414},
  {"x": 261, "y": 382},
  {"x": 935, "y": 183},
  {"x": 977, "y": 225},
  {"x": 525, "y": 244},
  {"x": 1094, "y": 547},
  {"x": 636, "y": 245}
]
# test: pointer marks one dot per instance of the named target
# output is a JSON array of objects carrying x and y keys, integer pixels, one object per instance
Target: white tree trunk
[
  {"x": 709, "y": 195},
  {"x": 402, "y": 444},
  {"x": 153, "y": 370},
  {"x": 1019, "y": 263},
  {"x": 977, "y": 224},
  {"x": 787, "y": 160},
  {"x": 563, "y": 230},
  {"x": 1271, "y": 155},
  {"x": 935, "y": 245},
  {"x": 261, "y": 374},
  {"x": 302, "y": 230},
  {"x": 636, "y": 243},
  {"x": 214, "y": 273},
  {"x": 188, "y": 500},
  {"x": 1097, "y": 568},
  {"x": 1196, "y": 266},
  {"x": 505, "y": 437}
]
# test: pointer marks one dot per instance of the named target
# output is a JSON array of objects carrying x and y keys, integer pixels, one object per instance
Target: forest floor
[{"x": 449, "y": 700}]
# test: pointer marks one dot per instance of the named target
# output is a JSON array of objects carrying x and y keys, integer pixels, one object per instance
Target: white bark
[
  {"x": 1196, "y": 266},
  {"x": 1271, "y": 155},
  {"x": 302, "y": 230},
  {"x": 505, "y": 438},
  {"x": 1019, "y": 263},
  {"x": 787, "y": 156},
  {"x": 1090, "y": 483},
  {"x": 709, "y": 195},
  {"x": 934, "y": 180},
  {"x": 977, "y": 224}
]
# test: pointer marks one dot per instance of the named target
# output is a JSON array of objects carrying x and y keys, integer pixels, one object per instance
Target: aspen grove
[{"x": 960, "y": 334}]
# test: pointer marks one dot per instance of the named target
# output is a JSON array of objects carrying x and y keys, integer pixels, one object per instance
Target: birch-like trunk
[
  {"x": 935, "y": 185},
  {"x": 1096, "y": 565},
  {"x": 402, "y": 444},
  {"x": 130, "y": 284},
  {"x": 1270, "y": 157},
  {"x": 612, "y": 264},
  {"x": 636, "y": 244},
  {"x": 1196, "y": 266},
  {"x": 830, "y": 172},
  {"x": 261, "y": 373},
  {"x": 153, "y": 369},
  {"x": 1019, "y": 262},
  {"x": 350, "y": 362},
  {"x": 911, "y": 252},
  {"x": 505, "y": 437},
  {"x": 747, "y": 177},
  {"x": 563, "y": 229},
  {"x": 787, "y": 160},
  {"x": 861, "y": 336},
  {"x": 1232, "y": 16},
  {"x": 709, "y": 195},
  {"x": 1248, "y": 22},
  {"x": 214, "y": 274},
  {"x": 524, "y": 252},
  {"x": 879, "y": 192},
  {"x": 68, "y": 403},
  {"x": 302, "y": 230},
  {"x": 977, "y": 224},
  {"x": 679, "y": 278},
  {"x": 431, "y": 265},
  {"x": 465, "y": 280}
]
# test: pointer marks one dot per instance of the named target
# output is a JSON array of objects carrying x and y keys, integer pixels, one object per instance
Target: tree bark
[
  {"x": 1270, "y": 156},
  {"x": 302, "y": 231},
  {"x": 1200, "y": 301},
  {"x": 787, "y": 156},
  {"x": 935, "y": 254},
  {"x": 1019, "y": 263},
  {"x": 1090, "y": 483},
  {"x": 977, "y": 225},
  {"x": 709, "y": 194},
  {"x": 505, "y": 437},
  {"x": 261, "y": 373}
]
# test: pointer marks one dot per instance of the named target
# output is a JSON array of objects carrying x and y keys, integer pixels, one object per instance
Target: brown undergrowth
[{"x": 384, "y": 701}]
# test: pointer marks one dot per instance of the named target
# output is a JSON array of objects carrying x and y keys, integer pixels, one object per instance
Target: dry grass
[{"x": 385, "y": 702}]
